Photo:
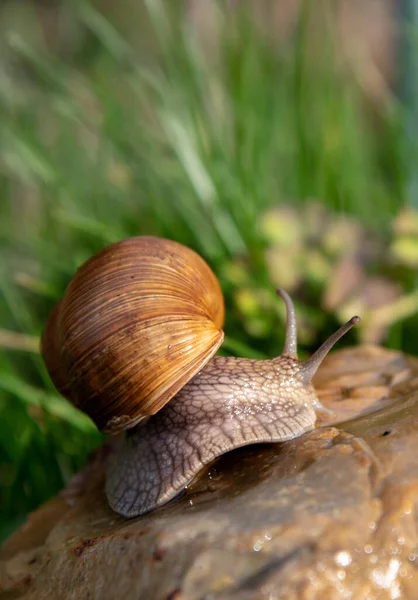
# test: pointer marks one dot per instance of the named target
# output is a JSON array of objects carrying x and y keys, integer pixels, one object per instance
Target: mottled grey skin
[{"x": 231, "y": 403}]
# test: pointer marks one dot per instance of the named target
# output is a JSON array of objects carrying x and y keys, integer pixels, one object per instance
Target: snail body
[
  {"x": 180, "y": 405},
  {"x": 229, "y": 404}
]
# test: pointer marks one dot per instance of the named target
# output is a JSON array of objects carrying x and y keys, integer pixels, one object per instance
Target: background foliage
[{"x": 265, "y": 160}]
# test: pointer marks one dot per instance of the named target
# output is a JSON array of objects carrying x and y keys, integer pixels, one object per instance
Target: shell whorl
[{"x": 138, "y": 320}]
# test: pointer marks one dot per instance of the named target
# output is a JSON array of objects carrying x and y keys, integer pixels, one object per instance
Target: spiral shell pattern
[{"x": 136, "y": 323}]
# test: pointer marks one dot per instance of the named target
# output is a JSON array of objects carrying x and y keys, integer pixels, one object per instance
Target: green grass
[{"x": 118, "y": 142}]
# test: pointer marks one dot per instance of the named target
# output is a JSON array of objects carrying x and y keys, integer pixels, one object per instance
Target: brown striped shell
[{"x": 136, "y": 323}]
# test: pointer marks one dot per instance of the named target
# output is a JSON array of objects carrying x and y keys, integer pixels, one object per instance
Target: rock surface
[{"x": 327, "y": 516}]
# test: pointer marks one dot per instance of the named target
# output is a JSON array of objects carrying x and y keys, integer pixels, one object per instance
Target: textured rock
[{"x": 329, "y": 515}]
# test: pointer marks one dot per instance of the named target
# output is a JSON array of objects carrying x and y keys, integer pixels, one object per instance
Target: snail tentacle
[
  {"x": 291, "y": 341},
  {"x": 311, "y": 366}
]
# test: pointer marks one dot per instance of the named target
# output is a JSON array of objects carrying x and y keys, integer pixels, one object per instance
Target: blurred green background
[{"x": 269, "y": 136}]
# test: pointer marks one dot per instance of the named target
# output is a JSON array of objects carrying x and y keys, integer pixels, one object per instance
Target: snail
[{"x": 132, "y": 343}]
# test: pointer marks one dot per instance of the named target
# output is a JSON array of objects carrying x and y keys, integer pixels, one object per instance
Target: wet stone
[{"x": 329, "y": 515}]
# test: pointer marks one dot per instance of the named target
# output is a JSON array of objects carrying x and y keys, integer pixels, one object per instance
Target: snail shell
[{"x": 136, "y": 323}]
